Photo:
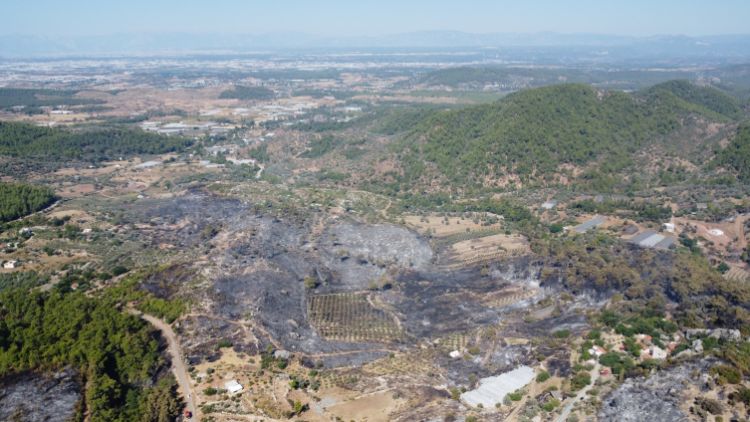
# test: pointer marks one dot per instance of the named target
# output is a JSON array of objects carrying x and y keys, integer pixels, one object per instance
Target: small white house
[
  {"x": 669, "y": 227},
  {"x": 233, "y": 386},
  {"x": 9, "y": 265},
  {"x": 597, "y": 351},
  {"x": 455, "y": 354}
]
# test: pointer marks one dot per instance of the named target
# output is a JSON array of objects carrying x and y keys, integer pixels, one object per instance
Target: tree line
[{"x": 32, "y": 100}]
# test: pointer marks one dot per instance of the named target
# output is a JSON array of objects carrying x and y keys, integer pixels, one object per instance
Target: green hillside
[
  {"x": 532, "y": 132},
  {"x": 736, "y": 155},
  {"x": 707, "y": 97}
]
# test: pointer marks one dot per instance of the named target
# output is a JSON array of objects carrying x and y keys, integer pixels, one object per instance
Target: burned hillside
[{"x": 255, "y": 279}]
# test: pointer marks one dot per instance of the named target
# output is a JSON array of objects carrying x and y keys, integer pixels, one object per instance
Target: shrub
[
  {"x": 594, "y": 335},
  {"x": 727, "y": 374},
  {"x": 119, "y": 270},
  {"x": 580, "y": 380},
  {"x": 311, "y": 282},
  {"x": 709, "y": 405},
  {"x": 516, "y": 395},
  {"x": 741, "y": 395},
  {"x": 562, "y": 333},
  {"x": 551, "y": 405},
  {"x": 543, "y": 376},
  {"x": 723, "y": 267}
]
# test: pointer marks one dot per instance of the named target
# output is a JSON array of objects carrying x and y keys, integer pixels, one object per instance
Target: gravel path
[{"x": 178, "y": 365}]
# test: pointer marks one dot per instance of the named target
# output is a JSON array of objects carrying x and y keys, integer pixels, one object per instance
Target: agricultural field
[
  {"x": 438, "y": 226},
  {"x": 487, "y": 248},
  {"x": 352, "y": 317}
]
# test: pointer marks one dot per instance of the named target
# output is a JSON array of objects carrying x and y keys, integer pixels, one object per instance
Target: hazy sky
[{"x": 365, "y": 17}]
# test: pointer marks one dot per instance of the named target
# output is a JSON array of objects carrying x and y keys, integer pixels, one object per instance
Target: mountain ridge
[{"x": 532, "y": 133}]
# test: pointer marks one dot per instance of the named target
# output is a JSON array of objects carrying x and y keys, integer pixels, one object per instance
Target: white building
[
  {"x": 9, "y": 265},
  {"x": 669, "y": 227},
  {"x": 233, "y": 386},
  {"x": 492, "y": 390},
  {"x": 597, "y": 351}
]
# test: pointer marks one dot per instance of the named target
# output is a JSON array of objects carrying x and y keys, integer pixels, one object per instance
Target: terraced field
[
  {"x": 482, "y": 249},
  {"x": 737, "y": 274},
  {"x": 351, "y": 317}
]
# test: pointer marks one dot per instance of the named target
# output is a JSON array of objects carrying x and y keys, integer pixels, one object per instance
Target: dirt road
[
  {"x": 580, "y": 396},
  {"x": 178, "y": 366}
]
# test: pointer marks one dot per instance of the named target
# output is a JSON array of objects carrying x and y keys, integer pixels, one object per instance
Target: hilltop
[{"x": 542, "y": 133}]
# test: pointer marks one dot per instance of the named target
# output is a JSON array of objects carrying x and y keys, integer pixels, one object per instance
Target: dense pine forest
[
  {"x": 17, "y": 200},
  {"x": 117, "y": 355},
  {"x": 28, "y": 141}
]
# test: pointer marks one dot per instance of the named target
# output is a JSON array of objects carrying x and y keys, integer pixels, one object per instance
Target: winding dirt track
[
  {"x": 178, "y": 366},
  {"x": 580, "y": 396}
]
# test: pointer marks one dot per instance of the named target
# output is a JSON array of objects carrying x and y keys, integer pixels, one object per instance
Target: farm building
[
  {"x": 233, "y": 386},
  {"x": 651, "y": 239},
  {"x": 492, "y": 390},
  {"x": 591, "y": 224}
]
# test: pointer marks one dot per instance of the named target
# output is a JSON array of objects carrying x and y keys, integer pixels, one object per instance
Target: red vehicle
[{"x": 187, "y": 414}]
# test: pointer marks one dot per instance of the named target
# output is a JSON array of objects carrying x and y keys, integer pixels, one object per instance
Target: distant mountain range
[{"x": 11, "y": 46}]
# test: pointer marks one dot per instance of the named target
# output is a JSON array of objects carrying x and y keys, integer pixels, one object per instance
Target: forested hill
[
  {"x": 710, "y": 98},
  {"x": 533, "y": 132},
  {"x": 29, "y": 141}
]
